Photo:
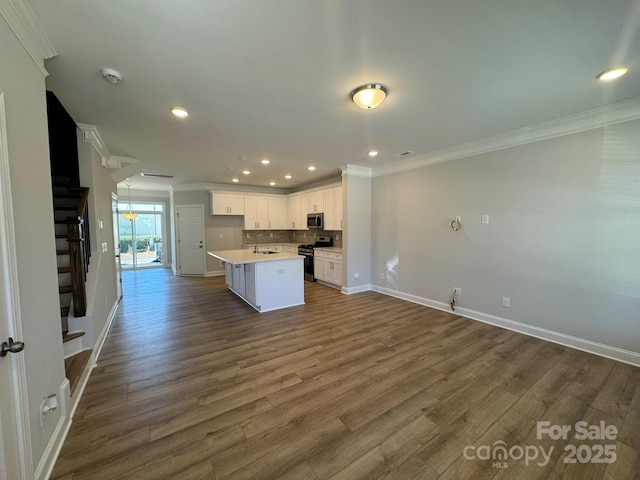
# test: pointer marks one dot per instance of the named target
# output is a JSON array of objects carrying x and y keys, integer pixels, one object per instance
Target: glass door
[{"x": 141, "y": 239}]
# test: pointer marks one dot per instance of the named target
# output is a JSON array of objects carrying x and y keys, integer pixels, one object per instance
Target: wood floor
[{"x": 194, "y": 384}]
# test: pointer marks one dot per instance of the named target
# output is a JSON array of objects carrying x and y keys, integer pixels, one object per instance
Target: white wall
[
  {"x": 101, "y": 278},
  {"x": 562, "y": 242},
  {"x": 22, "y": 83},
  {"x": 356, "y": 240}
]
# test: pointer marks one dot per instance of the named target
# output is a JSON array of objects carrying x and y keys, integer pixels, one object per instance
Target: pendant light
[{"x": 130, "y": 215}]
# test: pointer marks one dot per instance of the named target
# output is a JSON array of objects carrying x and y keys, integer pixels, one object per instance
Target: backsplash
[{"x": 251, "y": 237}]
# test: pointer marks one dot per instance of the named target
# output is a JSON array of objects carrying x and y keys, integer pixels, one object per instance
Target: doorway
[{"x": 142, "y": 238}]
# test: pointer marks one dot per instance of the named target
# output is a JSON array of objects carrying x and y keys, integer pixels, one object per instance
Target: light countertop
[
  {"x": 249, "y": 256},
  {"x": 329, "y": 249}
]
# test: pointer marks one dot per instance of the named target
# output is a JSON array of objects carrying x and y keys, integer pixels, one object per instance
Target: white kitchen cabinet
[
  {"x": 262, "y": 212},
  {"x": 297, "y": 209},
  {"x": 250, "y": 282},
  {"x": 328, "y": 267},
  {"x": 256, "y": 212},
  {"x": 277, "y": 212},
  {"x": 329, "y": 212},
  {"x": 228, "y": 274},
  {"x": 238, "y": 280},
  {"x": 316, "y": 201},
  {"x": 337, "y": 208},
  {"x": 225, "y": 203}
]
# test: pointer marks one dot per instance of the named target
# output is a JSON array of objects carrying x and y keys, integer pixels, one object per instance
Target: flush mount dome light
[
  {"x": 180, "y": 112},
  {"x": 369, "y": 96},
  {"x": 111, "y": 75},
  {"x": 612, "y": 74}
]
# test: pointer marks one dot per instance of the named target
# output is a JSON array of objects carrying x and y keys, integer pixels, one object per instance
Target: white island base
[{"x": 265, "y": 281}]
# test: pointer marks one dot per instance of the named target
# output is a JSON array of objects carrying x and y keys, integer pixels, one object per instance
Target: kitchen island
[{"x": 265, "y": 280}]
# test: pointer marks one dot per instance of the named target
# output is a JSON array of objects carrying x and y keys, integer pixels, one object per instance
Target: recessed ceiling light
[
  {"x": 180, "y": 112},
  {"x": 311, "y": 168},
  {"x": 265, "y": 161},
  {"x": 246, "y": 172},
  {"x": 288, "y": 177},
  {"x": 272, "y": 183},
  {"x": 612, "y": 74},
  {"x": 235, "y": 180},
  {"x": 372, "y": 153}
]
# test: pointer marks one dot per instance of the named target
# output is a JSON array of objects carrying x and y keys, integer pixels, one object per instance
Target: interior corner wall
[
  {"x": 356, "y": 238},
  {"x": 561, "y": 242},
  {"x": 101, "y": 280},
  {"x": 23, "y": 86}
]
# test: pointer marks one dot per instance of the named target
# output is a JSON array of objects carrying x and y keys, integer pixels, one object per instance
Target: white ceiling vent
[
  {"x": 159, "y": 175},
  {"x": 111, "y": 75}
]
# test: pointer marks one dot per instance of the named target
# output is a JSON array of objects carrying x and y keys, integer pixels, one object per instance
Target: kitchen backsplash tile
[{"x": 251, "y": 237}]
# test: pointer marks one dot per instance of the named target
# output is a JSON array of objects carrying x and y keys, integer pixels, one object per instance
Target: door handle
[{"x": 10, "y": 347}]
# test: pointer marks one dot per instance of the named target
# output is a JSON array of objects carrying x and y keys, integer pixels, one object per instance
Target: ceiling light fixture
[
  {"x": 612, "y": 74},
  {"x": 369, "y": 96},
  {"x": 372, "y": 153},
  {"x": 130, "y": 215},
  {"x": 246, "y": 172},
  {"x": 180, "y": 112},
  {"x": 272, "y": 183},
  {"x": 265, "y": 161},
  {"x": 235, "y": 180},
  {"x": 288, "y": 177},
  {"x": 311, "y": 168}
]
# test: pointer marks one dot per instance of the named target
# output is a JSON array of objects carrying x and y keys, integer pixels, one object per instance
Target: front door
[{"x": 191, "y": 239}]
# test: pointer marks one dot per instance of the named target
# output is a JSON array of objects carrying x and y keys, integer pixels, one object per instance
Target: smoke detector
[{"x": 111, "y": 75}]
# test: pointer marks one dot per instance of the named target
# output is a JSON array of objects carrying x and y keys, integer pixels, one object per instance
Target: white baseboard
[
  {"x": 608, "y": 351},
  {"x": 97, "y": 348},
  {"x": 358, "y": 289},
  {"x": 51, "y": 452},
  {"x": 214, "y": 273}
]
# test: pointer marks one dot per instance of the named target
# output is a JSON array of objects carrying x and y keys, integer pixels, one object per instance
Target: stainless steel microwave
[{"x": 315, "y": 220}]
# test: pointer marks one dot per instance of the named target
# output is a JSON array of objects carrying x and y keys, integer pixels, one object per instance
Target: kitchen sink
[{"x": 268, "y": 252}]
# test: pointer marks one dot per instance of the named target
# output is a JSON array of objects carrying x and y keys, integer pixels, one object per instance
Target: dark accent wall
[{"x": 63, "y": 147}]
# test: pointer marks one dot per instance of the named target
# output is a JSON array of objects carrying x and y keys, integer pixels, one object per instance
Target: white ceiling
[{"x": 271, "y": 78}]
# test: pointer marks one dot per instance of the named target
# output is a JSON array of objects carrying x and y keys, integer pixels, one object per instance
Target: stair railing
[{"x": 79, "y": 253}]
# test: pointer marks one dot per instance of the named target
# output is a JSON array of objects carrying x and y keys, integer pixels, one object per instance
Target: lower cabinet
[
  {"x": 228, "y": 274},
  {"x": 250, "y": 283},
  {"x": 238, "y": 282},
  {"x": 327, "y": 267}
]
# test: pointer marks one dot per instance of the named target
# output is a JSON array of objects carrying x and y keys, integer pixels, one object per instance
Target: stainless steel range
[{"x": 307, "y": 251}]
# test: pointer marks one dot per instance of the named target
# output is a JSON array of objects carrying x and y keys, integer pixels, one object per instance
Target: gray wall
[
  {"x": 24, "y": 89},
  {"x": 356, "y": 246},
  {"x": 562, "y": 242},
  {"x": 230, "y": 227}
]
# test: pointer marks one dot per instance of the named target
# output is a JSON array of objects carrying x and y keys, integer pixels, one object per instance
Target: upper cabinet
[
  {"x": 297, "y": 209},
  {"x": 265, "y": 212},
  {"x": 333, "y": 208},
  {"x": 224, "y": 203},
  {"x": 316, "y": 201}
]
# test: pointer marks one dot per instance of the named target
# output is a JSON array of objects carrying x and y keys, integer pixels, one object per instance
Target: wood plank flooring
[{"x": 194, "y": 384}]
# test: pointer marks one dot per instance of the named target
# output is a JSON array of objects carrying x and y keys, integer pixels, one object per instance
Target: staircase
[{"x": 73, "y": 251}]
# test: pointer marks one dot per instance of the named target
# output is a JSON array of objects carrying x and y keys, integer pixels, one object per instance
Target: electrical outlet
[
  {"x": 221, "y": 236},
  {"x": 458, "y": 291},
  {"x": 506, "y": 302},
  {"x": 485, "y": 219}
]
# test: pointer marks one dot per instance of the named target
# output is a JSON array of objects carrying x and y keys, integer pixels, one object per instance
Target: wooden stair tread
[
  {"x": 64, "y": 269},
  {"x": 65, "y": 289},
  {"x": 64, "y": 312},
  {"x": 62, "y": 252},
  {"x": 67, "y": 337},
  {"x": 74, "y": 366},
  {"x": 62, "y": 235}
]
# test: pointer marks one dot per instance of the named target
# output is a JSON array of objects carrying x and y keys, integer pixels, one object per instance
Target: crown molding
[
  {"x": 581, "y": 122},
  {"x": 356, "y": 171},
  {"x": 91, "y": 135},
  {"x": 24, "y": 24}
]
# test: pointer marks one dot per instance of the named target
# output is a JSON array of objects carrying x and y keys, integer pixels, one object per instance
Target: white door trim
[
  {"x": 10, "y": 293},
  {"x": 204, "y": 257}
]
